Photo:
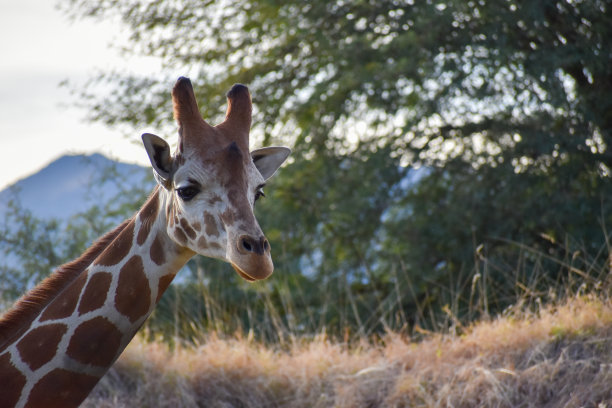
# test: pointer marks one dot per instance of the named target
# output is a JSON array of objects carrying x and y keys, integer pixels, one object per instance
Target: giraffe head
[{"x": 212, "y": 181}]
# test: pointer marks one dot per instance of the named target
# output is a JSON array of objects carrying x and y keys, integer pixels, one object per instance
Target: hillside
[
  {"x": 560, "y": 356},
  {"x": 71, "y": 184}
]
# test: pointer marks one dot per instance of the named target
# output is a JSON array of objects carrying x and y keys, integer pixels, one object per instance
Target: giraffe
[{"x": 60, "y": 338}]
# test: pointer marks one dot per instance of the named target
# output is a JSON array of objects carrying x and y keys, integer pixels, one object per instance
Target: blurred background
[{"x": 450, "y": 158}]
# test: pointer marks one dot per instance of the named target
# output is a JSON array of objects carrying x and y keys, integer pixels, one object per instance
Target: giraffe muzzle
[{"x": 251, "y": 258}]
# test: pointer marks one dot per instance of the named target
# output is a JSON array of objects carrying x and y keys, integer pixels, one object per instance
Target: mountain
[{"x": 72, "y": 184}]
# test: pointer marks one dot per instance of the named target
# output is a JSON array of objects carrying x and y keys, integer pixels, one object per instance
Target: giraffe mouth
[{"x": 242, "y": 273}]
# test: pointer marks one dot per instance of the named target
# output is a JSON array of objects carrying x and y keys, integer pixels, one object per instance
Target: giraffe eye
[
  {"x": 259, "y": 193},
  {"x": 187, "y": 193}
]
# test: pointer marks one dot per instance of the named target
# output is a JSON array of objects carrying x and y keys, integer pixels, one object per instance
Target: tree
[
  {"x": 31, "y": 247},
  {"x": 506, "y": 103}
]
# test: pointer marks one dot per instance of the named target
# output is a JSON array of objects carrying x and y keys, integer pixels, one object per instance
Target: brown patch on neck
[
  {"x": 96, "y": 292},
  {"x": 40, "y": 345},
  {"x": 96, "y": 342},
  {"x": 163, "y": 284},
  {"x": 133, "y": 296},
  {"x": 148, "y": 215},
  {"x": 74, "y": 388},
  {"x": 156, "y": 252},
  {"x": 15, "y": 321},
  {"x": 12, "y": 381},
  {"x": 63, "y": 306},
  {"x": 119, "y": 248}
]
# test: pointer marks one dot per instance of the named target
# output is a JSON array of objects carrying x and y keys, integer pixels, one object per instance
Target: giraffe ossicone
[{"x": 60, "y": 338}]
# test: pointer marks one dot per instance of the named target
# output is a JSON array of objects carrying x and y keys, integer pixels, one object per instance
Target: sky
[{"x": 39, "y": 48}]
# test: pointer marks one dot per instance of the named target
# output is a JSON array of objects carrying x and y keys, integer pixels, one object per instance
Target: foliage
[
  {"x": 505, "y": 105},
  {"x": 30, "y": 251},
  {"x": 32, "y": 247}
]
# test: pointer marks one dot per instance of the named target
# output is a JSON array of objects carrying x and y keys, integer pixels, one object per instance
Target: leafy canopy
[{"x": 505, "y": 103}]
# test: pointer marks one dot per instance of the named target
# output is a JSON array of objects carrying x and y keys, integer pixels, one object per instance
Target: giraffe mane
[{"x": 18, "y": 318}]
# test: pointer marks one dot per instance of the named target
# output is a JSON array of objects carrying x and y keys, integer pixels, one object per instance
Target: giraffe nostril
[{"x": 246, "y": 245}]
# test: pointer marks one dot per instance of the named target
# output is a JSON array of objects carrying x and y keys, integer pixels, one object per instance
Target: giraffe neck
[{"x": 75, "y": 326}]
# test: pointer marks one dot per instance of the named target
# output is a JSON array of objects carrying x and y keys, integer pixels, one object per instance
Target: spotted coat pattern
[
  {"x": 80, "y": 333},
  {"x": 61, "y": 337}
]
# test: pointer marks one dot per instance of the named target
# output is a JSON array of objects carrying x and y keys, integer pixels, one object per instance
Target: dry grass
[{"x": 560, "y": 356}]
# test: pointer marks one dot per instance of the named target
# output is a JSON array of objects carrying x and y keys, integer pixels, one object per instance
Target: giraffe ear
[
  {"x": 269, "y": 159},
  {"x": 159, "y": 154}
]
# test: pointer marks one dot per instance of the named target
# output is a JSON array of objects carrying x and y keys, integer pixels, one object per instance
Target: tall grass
[
  {"x": 557, "y": 356},
  {"x": 288, "y": 306},
  {"x": 551, "y": 347}
]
